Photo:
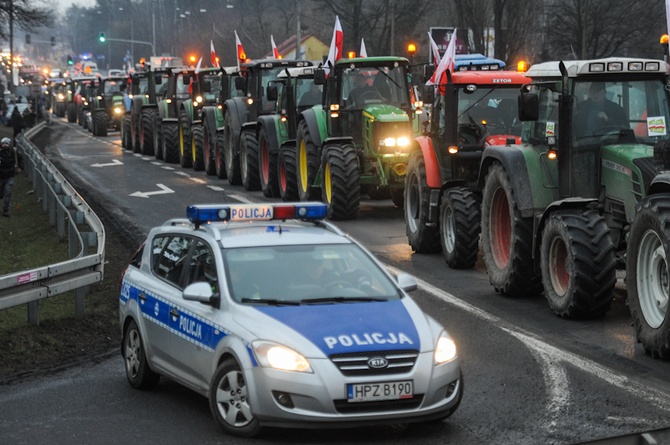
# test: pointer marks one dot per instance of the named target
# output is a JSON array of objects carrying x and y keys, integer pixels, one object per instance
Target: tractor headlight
[
  {"x": 118, "y": 110},
  {"x": 402, "y": 142},
  {"x": 61, "y": 96},
  {"x": 198, "y": 99},
  {"x": 274, "y": 355}
]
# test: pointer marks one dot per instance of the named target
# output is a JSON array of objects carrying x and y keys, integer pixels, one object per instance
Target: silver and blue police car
[{"x": 282, "y": 320}]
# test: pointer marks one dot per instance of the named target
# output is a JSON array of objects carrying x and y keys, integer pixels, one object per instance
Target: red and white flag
[
  {"x": 447, "y": 62},
  {"x": 241, "y": 55},
  {"x": 197, "y": 67},
  {"x": 336, "y": 44},
  {"x": 434, "y": 49},
  {"x": 275, "y": 51},
  {"x": 212, "y": 55},
  {"x": 363, "y": 52}
]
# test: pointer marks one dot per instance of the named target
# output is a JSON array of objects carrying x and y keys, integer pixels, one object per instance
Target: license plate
[{"x": 369, "y": 392}]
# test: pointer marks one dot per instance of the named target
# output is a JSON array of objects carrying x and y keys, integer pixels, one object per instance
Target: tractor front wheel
[
  {"x": 577, "y": 261},
  {"x": 459, "y": 228},
  {"x": 307, "y": 163},
  {"x": 147, "y": 133},
  {"x": 267, "y": 165},
  {"x": 231, "y": 152},
  {"x": 197, "y": 155},
  {"x": 126, "y": 136},
  {"x": 208, "y": 148},
  {"x": 340, "y": 183},
  {"x": 421, "y": 235},
  {"x": 220, "y": 155},
  {"x": 100, "y": 123},
  {"x": 648, "y": 275},
  {"x": 249, "y": 161},
  {"x": 507, "y": 238},
  {"x": 286, "y": 175},
  {"x": 169, "y": 135},
  {"x": 184, "y": 140}
]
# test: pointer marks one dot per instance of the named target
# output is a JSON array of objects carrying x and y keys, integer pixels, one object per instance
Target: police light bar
[{"x": 207, "y": 213}]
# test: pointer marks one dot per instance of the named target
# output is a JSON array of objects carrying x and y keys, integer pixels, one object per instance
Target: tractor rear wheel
[
  {"x": 208, "y": 147},
  {"x": 71, "y": 112},
  {"x": 219, "y": 155},
  {"x": 197, "y": 155},
  {"x": 147, "y": 136},
  {"x": 577, "y": 261},
  {"x": 267, "y": 166},
  {"x": 249, "y": 161},
  {"x": 286, "y": 175},
  {"x": 459, "y": 227},
  {"x": 169, "y": 135},
  {"x": 100, "y": 123},
  {"x": 231, "y": 152},
  {"x": 421, "y": 235},
  {"x": 184, "y": 140},
  {"x": 307, "y": 163},
  {"x": 648, "y": 275},
  {"x": 340, "y": 183},
  {"x": 507, "y": 238}
]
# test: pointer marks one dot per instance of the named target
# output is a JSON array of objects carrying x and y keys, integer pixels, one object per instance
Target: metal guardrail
[{"x": 75, "y": 219}]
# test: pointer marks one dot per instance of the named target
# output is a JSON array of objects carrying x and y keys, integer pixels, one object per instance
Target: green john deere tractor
[
  {"x": 587, "y": 190},
  {"x": 108, "y": 107},
  {"x": 358, "y": 141}
]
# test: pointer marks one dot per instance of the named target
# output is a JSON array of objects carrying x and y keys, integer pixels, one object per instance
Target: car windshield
[{"x": 322, "y": 274}]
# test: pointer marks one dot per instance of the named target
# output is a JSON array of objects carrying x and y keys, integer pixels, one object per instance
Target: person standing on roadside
[
  {"x": 17, "y": 122},
  {"x": 11, "y": 162}
]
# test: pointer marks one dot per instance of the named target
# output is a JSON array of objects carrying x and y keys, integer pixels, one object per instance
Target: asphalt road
[{"x": 530, "y": 377}]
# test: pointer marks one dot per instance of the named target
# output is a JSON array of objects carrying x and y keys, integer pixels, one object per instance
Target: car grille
[
  {"x": 356, "y": 364},
  {"x": 344, "y": 407}
]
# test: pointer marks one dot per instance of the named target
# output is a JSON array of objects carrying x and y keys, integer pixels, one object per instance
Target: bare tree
[{"x": 26, "y": 14}]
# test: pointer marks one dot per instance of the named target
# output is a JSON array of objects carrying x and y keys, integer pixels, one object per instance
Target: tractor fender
[
  {"x": 187, "y": 106},
  {"x": 270, "y": 125},
  {"x": 430, "y": 159},
  {"x": 514, "y": 162},
  {"x": 312, "y": 122},
  {"x": 567, "y": 203},
  {"x": 660, "y": 184},
  {"x": 162, "y": 113},
  {"x": 338, "y": 140}
]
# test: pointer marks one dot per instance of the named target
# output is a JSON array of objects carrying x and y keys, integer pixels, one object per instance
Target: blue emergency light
[{"x": 204, "y": 213}]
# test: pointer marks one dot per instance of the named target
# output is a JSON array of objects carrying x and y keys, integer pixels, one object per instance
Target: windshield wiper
[
  {"x": 271, "y": 301},
  {"x": 339, "y": 300}
]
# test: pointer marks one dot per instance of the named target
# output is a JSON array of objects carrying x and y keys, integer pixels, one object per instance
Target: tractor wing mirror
[
  {"x": 428, "y": 71},
  {"x": 272, "y": 93},
  {"x": 319, "y": 76},
  {"x": 529, "y": 108},
  {"x": 240, "y": 83}
]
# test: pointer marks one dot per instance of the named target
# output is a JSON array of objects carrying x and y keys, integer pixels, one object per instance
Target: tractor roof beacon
[{"x": 589, "y": 182}]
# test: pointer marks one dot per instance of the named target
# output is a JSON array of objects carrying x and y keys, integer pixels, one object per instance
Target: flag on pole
[
  {"x": 446, "y": 63},
  {"x": 434, "y": 49},
  {"x": 275, "y": 51},
  {"x": 364, "y": 52},
  {"x": 241, "y": 55},
  {"x": 213, "y": 59},
  {"x": 197, "y": 67},
  {"x": 335, "y": 51}
]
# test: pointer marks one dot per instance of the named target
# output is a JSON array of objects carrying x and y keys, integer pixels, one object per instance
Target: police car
[{"x": 282, "y": 320}]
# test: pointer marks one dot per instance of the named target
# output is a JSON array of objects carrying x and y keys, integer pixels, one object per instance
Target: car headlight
[
  {"x": 445, "y": 350},
  {"x": 273, "y": 355}
]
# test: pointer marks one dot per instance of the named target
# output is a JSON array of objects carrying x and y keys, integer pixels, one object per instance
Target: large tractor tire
[
  {"x": 72, "y": 112},
  {"x": 249, "y": 161},
  {"x": 422, "y": 236},
  {"x": 184, "y": 141},
  {"x": 286, "y": 175},
  {"x": 648, "y": 275},
  {"x": 307, "y": 160},
  {"x": 100, "y": 123},
  {"x": 577, "y": 263},
  {"x": 147, "y": 136},
  {"x": 507, "y": 238},
  {"x": 170, "y": 140},
  {"x": 219, "y": 155},
  {"x": 80, "y": 116},
  {"x": 135, "y": 131},
  {"x": 459, "y": 227},
  {"x": 267, "y": 166},
  {"x": 208, "y": 149},
  {"x": 60, "y": 109},
  {"x": 198, "y": 160},
  {"x": 231, "y": 152},
  {"x": 340, "y": 184},
  {"x": 126, "y": 136}
]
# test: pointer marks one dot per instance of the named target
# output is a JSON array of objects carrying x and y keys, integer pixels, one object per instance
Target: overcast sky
[{"x": 82, "y": 3}]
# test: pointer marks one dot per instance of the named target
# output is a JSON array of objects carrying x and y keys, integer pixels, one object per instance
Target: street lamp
[{"x": 411, "y": 49}]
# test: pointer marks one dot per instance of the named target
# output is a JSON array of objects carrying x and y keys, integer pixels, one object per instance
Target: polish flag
[
  {"x": 197, "y": 67},
  {"x": 275, "y": 51},
  {"x": 213, "y": 59},
  {"x": 336, "y": 44},
  {"x": 363, "y": 52},
  {"x": 447, "y": 62},
  {"x": 241, "y": 55},
  {"x": 435, "y": 50}
]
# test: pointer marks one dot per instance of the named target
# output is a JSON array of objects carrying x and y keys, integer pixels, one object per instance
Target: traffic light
[
  {"x": 53, "y": 41},
  {"x": 102, "y": 38},
  {"x": 69, "y": 60},
  {"x": 28, "y": 39}
]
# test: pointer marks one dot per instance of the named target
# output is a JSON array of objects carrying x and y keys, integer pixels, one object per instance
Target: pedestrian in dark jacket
[
  {"x": 11, "y": 163},
  {"x": 17, "y": 122}
]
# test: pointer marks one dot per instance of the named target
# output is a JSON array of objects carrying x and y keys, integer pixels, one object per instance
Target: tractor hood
[{"x": 385, "y": 113}]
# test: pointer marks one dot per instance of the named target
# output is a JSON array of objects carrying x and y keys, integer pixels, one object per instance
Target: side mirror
[
  {"x": 122, "y": 87},
  {"x": 529, "y": 106},
  {"x": 240, "y": 83},
  {"x": 272, "y": 93},
  {"x": 206, "y": 87},
  {"x": 201, "y": 292},
  {"x": 159, "y": 79},
  {"x": 428, "y": 71},
  {"x": 407, "y": 282},
  {"x": 319, "y": 76}
]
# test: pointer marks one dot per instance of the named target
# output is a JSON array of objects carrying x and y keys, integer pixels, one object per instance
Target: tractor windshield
[
  {"x": 628, "y": 110},
  {"x": 363, "y": 86},
  {"x": 484, "y": 111},
  {"x": 112, "y": 86},
  {"x": 214, "y": 87},
  {"x": 544, "y": 130}
]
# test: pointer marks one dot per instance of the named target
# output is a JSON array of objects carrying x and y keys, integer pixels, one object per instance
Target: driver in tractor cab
[
  {"x": 598, "y": 114},
  {"x": 361, "y": 92}
]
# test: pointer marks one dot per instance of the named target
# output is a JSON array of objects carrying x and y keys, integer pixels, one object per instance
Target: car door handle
[
  {"x": 142, "y": 296},
  {"x": 174, "y": 312}
]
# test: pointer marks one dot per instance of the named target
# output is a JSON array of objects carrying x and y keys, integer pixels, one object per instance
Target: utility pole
[
  {"x": 10, "y": 81},
  {"x": 298, "y": 36}
]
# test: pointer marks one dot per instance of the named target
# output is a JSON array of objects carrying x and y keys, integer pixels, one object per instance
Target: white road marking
[
  {"x": 109, "y": 164},
  {"x": 163, "y": 190},
  {"x": 216, "y": 188},
  {"x": 242, "y": 199}
]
